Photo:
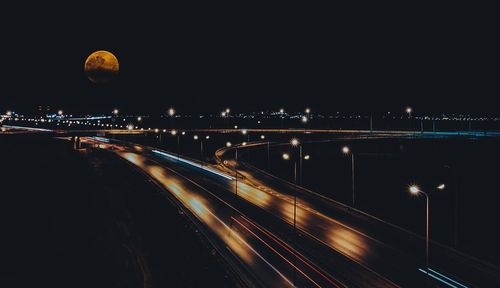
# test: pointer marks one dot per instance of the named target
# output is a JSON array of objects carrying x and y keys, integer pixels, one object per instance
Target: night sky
[{"x": 200, "y": 58}]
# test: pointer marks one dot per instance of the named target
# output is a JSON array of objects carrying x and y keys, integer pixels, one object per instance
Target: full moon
[{"x": 101, "y": 66}]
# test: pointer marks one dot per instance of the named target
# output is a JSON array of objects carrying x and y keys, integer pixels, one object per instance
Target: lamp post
[
  {"x": 348, "y": 151},
  {"x": 286, "y": 157},
  {"x": 268, "y": 153},
  {"x": 245, "y": 132},
  {"x": 296, "y": 143},
  {"x": 228, "y": 145},
  {"x": 415, "y": 190},
  {"x": 409, "y": 110},
  {"x": 226, "y": 113},
  {"x": 174, "y": 133},
  {"x": 195, "y": 137},
  {"x": 282, "y": 111},
  {"x": 171, "y": 114}
]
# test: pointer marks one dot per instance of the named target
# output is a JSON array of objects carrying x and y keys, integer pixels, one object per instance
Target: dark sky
[{"x": 196, "y": 58}]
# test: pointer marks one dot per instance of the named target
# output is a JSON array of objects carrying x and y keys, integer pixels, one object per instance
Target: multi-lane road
[
  {"x": 331, "y": 246},
  {"x": 248, "y": 218}
]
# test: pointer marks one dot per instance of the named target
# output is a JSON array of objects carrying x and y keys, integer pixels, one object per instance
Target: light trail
[
  {"x": 175, "y": 157},
  {"x": 436, "y": 275},
  {"x": 275, "y": 251},
  {"x": 448, "y": 278},
  {"x": 295, "y": 253}
]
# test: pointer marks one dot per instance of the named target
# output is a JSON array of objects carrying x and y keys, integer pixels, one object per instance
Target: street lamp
[
  {"x": 115, "y": 111},
  {"x": 60, "y": 112},
  {"x": 139, "y": 119},
  {"x": 245, "y": 132},
  {"x": 409, "y": 110},
  {"x": 171, "y": 112},
  {"x": 195, "y": 137},
  {"x": 415, "y": 190},
  {"x": 282, "y": 111},
  {"x": 286, "y": 157},
  {"x": 296, "y": 143},
  {"x": 175, "y": 133},
  {"x": 346, "y": 150}
]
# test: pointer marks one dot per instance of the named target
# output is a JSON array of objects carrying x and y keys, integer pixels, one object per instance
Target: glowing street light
[
  {"x": 244, "y": 131},
  {"x": 294, "y": 142},
  {"x": 262, "y": 137},
  {"x": 195, "y": 137},
  {"x": 171, "y": 112},
  {"x": 415, "y": 190},
  {"x": 9, "y": 113},
  {"x": 223, "y": 114},
  {"x": 304, "y": 119},
  {"x": 227, "y": 111},
  {"x": 244, "y": 144},
  {"x": 287, "y": 157},
  {"x": 282, "y": 111},
  {"x": 307, "y": 157},
  {"x": 228, "y": 144},
  {"x": 139, "y": 118},
  {"x": 115, "y": 111},
  {"x": 346, "y": 150},
  {"x": 408, "y": 110},
  {"x": 441, "y": 186},
  {"x": 308, "y": 110},
  {"x": 60, "y": 112}
]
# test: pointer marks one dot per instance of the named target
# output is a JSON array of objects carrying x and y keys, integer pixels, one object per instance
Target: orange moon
[{"x": 101, "y": 66}]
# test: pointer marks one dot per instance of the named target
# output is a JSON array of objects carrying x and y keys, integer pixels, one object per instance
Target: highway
[
  {"x": 343, "y": 246},
  {"x": 331, "y": 246},
  {"x": 266, "y": 246},
  {"x": 388, "y": 249}
]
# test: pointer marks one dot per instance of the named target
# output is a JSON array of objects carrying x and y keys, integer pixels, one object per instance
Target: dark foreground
[{"x": 87, "y": 220}]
